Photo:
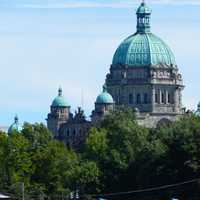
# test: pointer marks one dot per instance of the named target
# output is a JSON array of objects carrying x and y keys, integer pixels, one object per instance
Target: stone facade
[
  {"x": 100, "y": 111},
  {"x": 73, "y": 129},
  {"x": 143, "y": 76},
  {"x": 154, "y": 91},
  {"x": 57, "y": 117}
]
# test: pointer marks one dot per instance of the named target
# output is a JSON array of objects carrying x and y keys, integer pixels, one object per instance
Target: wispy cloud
[{"x": 103, "y": 4}]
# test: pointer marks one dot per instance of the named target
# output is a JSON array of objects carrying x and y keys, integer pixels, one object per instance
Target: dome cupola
[
  {"x": 104, "y": 97},
  {"x": 15, "y": 127},
  {"x": 59, "y": 101},
  {"x": 143, "y": 18},
  {"x": 143, "y": 48}
]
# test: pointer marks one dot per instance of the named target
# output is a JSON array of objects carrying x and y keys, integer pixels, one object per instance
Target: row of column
[{"x": 166, "y": 97}]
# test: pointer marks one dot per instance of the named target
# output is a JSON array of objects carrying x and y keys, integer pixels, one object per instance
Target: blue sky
[{"x": 47, "y": 43}]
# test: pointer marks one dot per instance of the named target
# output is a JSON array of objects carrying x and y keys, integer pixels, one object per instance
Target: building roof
[
  {"x": 143, "y": 48},
  {"x": 60, "y": 101},
  {"x": 104, "y": 97},
  {"x": 15, "y": 126}
]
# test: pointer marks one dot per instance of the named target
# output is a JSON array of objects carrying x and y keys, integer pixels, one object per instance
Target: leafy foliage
[{"x": 118, "y": 155}]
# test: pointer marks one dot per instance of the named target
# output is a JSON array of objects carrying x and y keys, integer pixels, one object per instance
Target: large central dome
[{"x": 143, "y": 48}]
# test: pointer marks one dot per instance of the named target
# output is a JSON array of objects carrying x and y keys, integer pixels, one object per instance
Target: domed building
[
  {"x": 103, "y": 105},
  {"x": 15, "y": 127},
  {"x": 73, "y": 129},
  {"x": 144, "y": 75},
  {"x": 69, "y": 128},
  {"x": 59, "y": 113}
]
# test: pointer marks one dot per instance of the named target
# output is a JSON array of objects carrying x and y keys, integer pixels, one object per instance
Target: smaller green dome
[
  {"x": 59, "y": 101},
  {"x": 104, "y": 97},
  {"x": 15, "y": 127},
  {"x": 143, "y": 9},
  {"x": 197, "y": 113}
]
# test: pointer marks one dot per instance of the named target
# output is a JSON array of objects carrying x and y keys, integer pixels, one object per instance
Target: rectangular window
[
  {"x": 169, "y": 98},
  {"x": 138, "y": 99},
  {"x": 146, "y": 98},
  {"x": 156, "y": 97},
  {"x": 130, "y": 99},
  {"x": 163, "y": 97}
]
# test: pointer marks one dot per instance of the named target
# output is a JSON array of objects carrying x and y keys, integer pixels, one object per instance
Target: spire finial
[
  {"x": 60, "y": 91},
  {"x": 16, "y": 119},
  {"x": 104, "y": 88}
]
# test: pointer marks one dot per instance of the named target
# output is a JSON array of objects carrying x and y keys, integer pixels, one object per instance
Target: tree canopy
[{"x": 119, "y": 155}]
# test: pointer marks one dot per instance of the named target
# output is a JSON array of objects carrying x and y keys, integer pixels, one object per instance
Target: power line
[{"x": 146, "y": 190}]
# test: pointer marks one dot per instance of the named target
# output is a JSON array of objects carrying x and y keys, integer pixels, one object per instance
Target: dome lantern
[{"x": 143, "y": 18}]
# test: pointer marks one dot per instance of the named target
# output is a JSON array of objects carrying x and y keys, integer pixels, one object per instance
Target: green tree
[
  {"x": 18, "y": 160},
  {"x": 115, "y": 145},
  {"x": 3, "y": 155},
  {"x": 53, "y": 165},
  {"x": 182, "y": 139},
  {"x": 37, "y": 134}
]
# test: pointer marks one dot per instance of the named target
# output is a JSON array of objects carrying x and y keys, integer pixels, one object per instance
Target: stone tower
[
  {"x": 104, "y": 103},
  {"x": 59, "y": 113},
  {"x": 144, "y": 75}
]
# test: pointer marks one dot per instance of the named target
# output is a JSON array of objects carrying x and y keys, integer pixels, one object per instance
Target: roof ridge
[{"x": 148, "y": 39}]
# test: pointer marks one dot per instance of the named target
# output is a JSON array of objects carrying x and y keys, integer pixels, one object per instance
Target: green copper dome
[
  {"x": 143, "y": 48},
  {"x": 197, "y": 113},
  {"x": 59, "y": 101},
  {"x": 104, "y": 97},
  {"x": 15, "y": 127}
]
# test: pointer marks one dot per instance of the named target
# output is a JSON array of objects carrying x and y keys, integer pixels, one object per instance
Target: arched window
[
  {"x": 130, "y": 99},
  {"x": 145, "y": 98},
  {"x": 138, "y": 99}
]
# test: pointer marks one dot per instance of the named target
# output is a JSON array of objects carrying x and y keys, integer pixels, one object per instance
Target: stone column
[
  {"x": 160, "y": 97},
  {"x": 153, "y": 100},
  {"x": 176, "y": 100},
  {"x": 166, "y": 97}
]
